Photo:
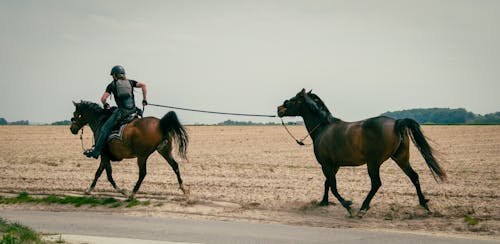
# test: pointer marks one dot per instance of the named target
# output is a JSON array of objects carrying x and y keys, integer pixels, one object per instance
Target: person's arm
[
  {"x": 104, "y": 99},
  {"x": 144, "y": 92}
]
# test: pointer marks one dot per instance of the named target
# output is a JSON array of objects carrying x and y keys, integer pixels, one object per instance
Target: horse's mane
[
  {"x": 325, "y": 114},
  {"x": 91, "y": 107}
]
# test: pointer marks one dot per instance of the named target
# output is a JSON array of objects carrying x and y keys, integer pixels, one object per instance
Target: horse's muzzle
[
  {"x": 281, "y": 111},
  {"x": 74, "y": 129}
]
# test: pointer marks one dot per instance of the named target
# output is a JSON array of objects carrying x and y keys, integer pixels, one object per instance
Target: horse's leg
[
  {"x": 374, "y": 172},
  {"x": 109, "y": 174},
  {"x": 165, "y": 151},
  {"x": 330, "y": 172},
  {"x": 406, "y": 167},
  {"x": 141, "y": 162},
  {"x": 96, "y": 177},
  {"x": 324, "y": 201}
]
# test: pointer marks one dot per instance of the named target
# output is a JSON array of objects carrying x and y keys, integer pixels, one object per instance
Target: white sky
[{"x": 362, "y": 58}]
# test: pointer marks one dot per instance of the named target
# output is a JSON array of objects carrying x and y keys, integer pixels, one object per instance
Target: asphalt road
[{"x": 78, "y": 227}]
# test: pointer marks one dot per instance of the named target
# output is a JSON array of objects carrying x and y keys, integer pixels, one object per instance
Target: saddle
[{"x": 117, "y": 130}]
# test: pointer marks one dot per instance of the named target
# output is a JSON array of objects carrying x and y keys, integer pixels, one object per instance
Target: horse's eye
[{"x": 285, "y": 102}]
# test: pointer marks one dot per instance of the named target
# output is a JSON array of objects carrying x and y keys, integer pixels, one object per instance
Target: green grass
[
  {"x": 111, "y": 202},
  {"x": 16, "y": 233}
]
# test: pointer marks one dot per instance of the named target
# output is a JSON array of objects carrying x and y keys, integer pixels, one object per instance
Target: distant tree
[
  {"x": 3, "y": 121},
  {"x": 435, "y": 115},
  {"x": 20, "y": 122},
  {"x": 493, "y": 118},
  {"x": 63, "y": 122}
]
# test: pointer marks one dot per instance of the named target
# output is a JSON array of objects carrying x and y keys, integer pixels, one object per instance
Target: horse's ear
[
  {"x": 309, "y": 92},
  {"x": 74, "y": 103},
  {"x": 303, "y": 92}
]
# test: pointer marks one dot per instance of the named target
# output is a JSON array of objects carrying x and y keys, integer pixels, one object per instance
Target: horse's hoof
[
  {"x": 131, "y": 197},
  {"x": 349, "y": 211},
  {"x": 122, "y": 191},
  {"x": 323, "y": 203},
  {"x": 362, "y": 213},
  {"x": 88, "y": 191},
  {"x": 185, "y": 190}
]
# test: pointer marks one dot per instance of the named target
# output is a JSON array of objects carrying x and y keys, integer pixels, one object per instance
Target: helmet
[{"x": 117, "y": 69}]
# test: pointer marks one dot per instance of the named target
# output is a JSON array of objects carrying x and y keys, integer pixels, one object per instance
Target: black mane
[{"x": 325, "y": 114}]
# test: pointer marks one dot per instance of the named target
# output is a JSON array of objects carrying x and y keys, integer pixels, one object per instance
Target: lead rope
[{"x": 300, "y": 142}]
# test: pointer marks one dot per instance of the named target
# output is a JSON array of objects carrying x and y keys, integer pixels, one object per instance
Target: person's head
[{"x": 118, "y": 72}]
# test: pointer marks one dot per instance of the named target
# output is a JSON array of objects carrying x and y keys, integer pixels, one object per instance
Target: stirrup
[{"x": 91, "y": 153}]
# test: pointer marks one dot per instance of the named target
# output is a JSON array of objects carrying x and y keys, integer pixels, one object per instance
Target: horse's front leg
[
  {"x": 324, "y": 201},
  {"x": 109, "y": 174},
  {"x": 330, "y": 173},
  {"x": 98, "y": 173},
  {"x": 141, "y": 162}
]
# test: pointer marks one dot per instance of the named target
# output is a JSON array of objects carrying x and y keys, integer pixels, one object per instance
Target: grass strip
[
  {"x": 24, "y": 197},
  {"x": 16, "y": 233}
]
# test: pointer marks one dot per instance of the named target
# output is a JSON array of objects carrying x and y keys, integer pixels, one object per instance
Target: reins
[
  {"x": 301, "y": 142},
  {"x": 81, "y": 139}
]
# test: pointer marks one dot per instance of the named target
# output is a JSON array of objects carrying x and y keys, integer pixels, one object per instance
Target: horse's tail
[
  {"x": 409, "y": 125},
  {"x": 170, "y": 126}
]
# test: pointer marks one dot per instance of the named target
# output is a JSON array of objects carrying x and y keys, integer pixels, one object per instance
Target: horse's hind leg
[
  {"x": 165, "y": 151},
  {"x": 141, "y": 162},
  {"x": 374, "y": 172},
  {"x": 406, "y": 167}
]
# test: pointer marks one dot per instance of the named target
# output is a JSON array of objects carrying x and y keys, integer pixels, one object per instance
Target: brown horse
[
  {"x": 141, "y": 138},
  {"x": 371, "y": 141}
]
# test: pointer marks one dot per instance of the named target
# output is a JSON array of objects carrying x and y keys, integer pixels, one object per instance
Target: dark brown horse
[
  {"x": 141, "y": 138},
  {"x": 371, "y": 141}
]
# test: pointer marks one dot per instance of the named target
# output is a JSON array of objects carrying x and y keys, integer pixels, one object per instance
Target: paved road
[{"x": 106, "y": 228}]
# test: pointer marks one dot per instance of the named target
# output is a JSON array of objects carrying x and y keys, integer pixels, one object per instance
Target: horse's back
[
  {"x": 140, "y": 137},
  {"x": 356, "y": 143}
]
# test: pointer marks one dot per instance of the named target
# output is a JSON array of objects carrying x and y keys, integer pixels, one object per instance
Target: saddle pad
[{"x": 117, "y": 134}]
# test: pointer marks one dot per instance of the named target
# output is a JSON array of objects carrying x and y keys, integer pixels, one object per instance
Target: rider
[{"x": 122, "y": 90}]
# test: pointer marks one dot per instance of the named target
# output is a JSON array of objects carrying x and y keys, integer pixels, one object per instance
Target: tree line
[
  {"x": 445, "y": 116},
  {"x": 421, "y": 115}
]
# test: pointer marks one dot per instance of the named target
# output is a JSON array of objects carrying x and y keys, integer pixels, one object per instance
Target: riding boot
[{"x": 95, "y": 151}]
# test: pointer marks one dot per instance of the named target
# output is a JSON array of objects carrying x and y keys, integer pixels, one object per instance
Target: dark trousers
[{"x": 115, "y": 117}]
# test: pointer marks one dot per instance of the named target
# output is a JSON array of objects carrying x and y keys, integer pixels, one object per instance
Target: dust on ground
[{"x": 258, "y": 173}]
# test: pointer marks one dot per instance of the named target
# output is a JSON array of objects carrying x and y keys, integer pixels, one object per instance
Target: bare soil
[{"x": 258, "y": 173}]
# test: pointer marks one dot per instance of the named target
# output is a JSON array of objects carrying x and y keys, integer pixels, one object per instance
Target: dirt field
[{"x": 258, "y": 173}]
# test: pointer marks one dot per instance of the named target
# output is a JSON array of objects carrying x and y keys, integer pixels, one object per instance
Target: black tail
[
  {"x": 418, "y": 138},
  {"x": 171, "y": 126}
]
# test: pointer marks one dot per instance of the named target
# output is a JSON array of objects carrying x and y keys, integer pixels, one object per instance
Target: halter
[{"x": 300, "y": 142}]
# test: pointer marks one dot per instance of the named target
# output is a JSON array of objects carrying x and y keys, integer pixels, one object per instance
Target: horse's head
[
  {"x": 294, "y": 106},
  {"x": 302, "y": 102},
  {"x": 84, "y": 113}
]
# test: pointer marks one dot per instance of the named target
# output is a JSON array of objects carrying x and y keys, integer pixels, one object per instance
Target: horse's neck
[
  {"x": 313, "y": 124},
  {"x": 316, "y": 123},
  {"x": 95, "y": 125}
]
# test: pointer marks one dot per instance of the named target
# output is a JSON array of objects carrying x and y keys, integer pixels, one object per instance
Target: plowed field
[{"x": 258, "y": 173}]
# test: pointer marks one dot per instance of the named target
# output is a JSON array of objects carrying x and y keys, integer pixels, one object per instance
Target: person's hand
[
  {"x": 144, "y": 102},
  {"x": 106, "y": 106}
]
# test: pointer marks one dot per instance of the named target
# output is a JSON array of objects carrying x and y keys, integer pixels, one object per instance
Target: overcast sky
[{"x": 362, "y": 58}]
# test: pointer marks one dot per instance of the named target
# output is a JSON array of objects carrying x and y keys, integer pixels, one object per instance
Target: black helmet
[{"x": 117, "y": 69}]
